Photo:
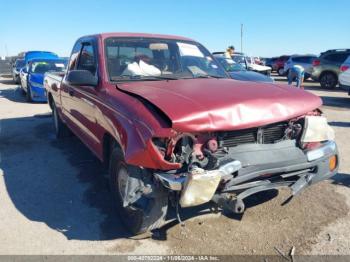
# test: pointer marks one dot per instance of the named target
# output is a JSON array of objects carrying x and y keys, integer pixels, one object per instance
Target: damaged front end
[{"x": 227, "y": 167}]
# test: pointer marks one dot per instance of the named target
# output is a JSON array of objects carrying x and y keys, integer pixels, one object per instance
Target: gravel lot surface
[{"x": 55, "y": 200}]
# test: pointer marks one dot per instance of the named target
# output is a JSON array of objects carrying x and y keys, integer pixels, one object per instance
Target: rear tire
[
  {"x": 328, "y": 80},
  {"x": 149, "y": 210},
  {"x": 28, "y": 95},
  {"x": 61, "y": 130}
]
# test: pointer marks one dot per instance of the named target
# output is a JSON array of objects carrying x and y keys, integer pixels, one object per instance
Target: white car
[
  {"x": 266, "y": 70},
  {"x": 344, "y": 77},
  {"x": 303, "y": 60}
]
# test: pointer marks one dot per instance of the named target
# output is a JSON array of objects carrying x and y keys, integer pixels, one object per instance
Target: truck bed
[
  {"x": 56, "y": 76},
  {"x": 52, "y": 83}
]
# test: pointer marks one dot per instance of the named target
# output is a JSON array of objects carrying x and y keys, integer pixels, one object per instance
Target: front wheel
[
  {"x": 141, "y": 204},
  {"x": 280, "y": 71}
]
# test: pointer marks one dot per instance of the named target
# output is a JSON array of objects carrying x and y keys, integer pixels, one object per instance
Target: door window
[
  {"x": 74, "y": 56},
  {"x": 87, "y": 59}
]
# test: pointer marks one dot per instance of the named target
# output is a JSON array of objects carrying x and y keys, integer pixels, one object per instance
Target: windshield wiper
[
  {"x": 208, "y": 76},
  {"x": 143, "y": 77}
]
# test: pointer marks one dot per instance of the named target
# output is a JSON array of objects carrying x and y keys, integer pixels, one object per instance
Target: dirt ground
[{"x": 55, "y": 200}]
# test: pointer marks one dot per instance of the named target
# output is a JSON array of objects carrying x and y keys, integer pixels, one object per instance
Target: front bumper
[
  {"x": 258, "y": 168},
  {"x": 38, "y": 93}
]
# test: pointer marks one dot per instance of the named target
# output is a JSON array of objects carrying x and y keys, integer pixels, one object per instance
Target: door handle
[{"x": 71, "y": 92}]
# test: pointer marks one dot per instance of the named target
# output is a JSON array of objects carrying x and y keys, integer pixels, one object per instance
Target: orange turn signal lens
[{"x": 333, "y": 163}]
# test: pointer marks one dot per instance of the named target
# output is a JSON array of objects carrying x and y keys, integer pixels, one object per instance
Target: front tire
[
  {"x": 145, "y": 212},
  {"x": 280, "y": 71}
]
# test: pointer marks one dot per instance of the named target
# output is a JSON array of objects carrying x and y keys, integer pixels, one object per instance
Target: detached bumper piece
[{"x": 198, "y": 186}]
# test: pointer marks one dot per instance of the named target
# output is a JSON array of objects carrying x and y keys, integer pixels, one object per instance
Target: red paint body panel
[
  {"x": 223, "y": 104},
  {"x": 196, "y": 105}
]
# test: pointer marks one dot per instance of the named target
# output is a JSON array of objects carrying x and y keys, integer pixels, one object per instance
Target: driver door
[
  {"x": 24, "y": 77},
  {"x": 81, "y": 101}
]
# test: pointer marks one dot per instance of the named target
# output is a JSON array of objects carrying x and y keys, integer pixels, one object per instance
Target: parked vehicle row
[
  {"x": 174, "y": 128},
  {"x": 29, "y": 69},
  {"x": 249, "y": 63},
  {"x": 32, "y": 76},
  {"x": 239, "y": 72},
  {"x": 325, "y": 69}
]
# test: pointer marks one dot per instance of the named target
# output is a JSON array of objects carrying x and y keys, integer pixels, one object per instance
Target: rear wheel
[
  {"x": 28, "y": 95},
  {"x": 61, "y": 130},
  {"x": 328, "y": 80},
  {"x": 141, "y": 204}
]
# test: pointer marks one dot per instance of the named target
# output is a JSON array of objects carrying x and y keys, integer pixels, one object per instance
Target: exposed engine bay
[{"x": 210, "y": 150}]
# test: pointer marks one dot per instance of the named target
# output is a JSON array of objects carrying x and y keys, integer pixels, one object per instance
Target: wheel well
[
  {"x": 108, "y": 143},
  {"x": 329, "y": 72}
]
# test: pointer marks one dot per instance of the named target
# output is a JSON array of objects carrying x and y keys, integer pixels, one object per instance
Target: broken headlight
[{"x": 316, "y": 129}]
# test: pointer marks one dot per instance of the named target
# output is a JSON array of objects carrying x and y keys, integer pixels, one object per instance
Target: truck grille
[{"x": 263, "y": 135}]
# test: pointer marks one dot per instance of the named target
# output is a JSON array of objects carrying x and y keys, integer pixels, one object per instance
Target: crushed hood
[{"x": 223, "y": 104}]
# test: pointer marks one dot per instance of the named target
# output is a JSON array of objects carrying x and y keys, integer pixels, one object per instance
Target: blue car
[
  {"x": 32, "y": 77},
  {"x": 239, "y": 72}
]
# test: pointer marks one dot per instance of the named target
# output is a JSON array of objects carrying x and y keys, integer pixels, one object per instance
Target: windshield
[
  {"x": 133, "y": 59},
  {"x": 20, "y": 63},
  {"x": 240, "y": 59},
  {"x": 230, "y": 65},
  {"x": 43, "y": 67}
]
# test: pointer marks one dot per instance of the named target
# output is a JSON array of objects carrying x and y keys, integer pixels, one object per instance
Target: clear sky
[{"x": 271, "y": 27}]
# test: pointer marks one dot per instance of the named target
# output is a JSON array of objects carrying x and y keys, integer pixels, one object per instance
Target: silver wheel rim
[{"x": 123, "y": 178}]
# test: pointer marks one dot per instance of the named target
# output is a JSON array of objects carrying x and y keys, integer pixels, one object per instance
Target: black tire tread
[{"x": 63, "y": 131}]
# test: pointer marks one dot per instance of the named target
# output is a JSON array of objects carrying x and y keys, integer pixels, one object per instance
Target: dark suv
[{"x": 326, "y": 68}]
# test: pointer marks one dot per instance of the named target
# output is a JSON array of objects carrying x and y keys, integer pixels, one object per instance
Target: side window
[
  {"x": 74, "y": 56},
  {"x": 304, "y": 59},
  {"x": 339, "y": 57},
  {"x": 87, "y": 59},
  {"x": 298, "y": 59},
  {"x": 309, "y": 59}
]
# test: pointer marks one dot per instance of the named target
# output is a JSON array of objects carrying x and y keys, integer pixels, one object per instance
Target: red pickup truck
[{"x": 173, "y": 128}]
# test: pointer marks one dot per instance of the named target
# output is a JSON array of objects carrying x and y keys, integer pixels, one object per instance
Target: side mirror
[{"x": 81, "y": 78}]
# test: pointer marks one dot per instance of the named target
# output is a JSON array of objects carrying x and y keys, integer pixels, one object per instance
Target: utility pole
[
  {"x": 7, "y": 53},
  {"x": 241, "y": 38}
]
